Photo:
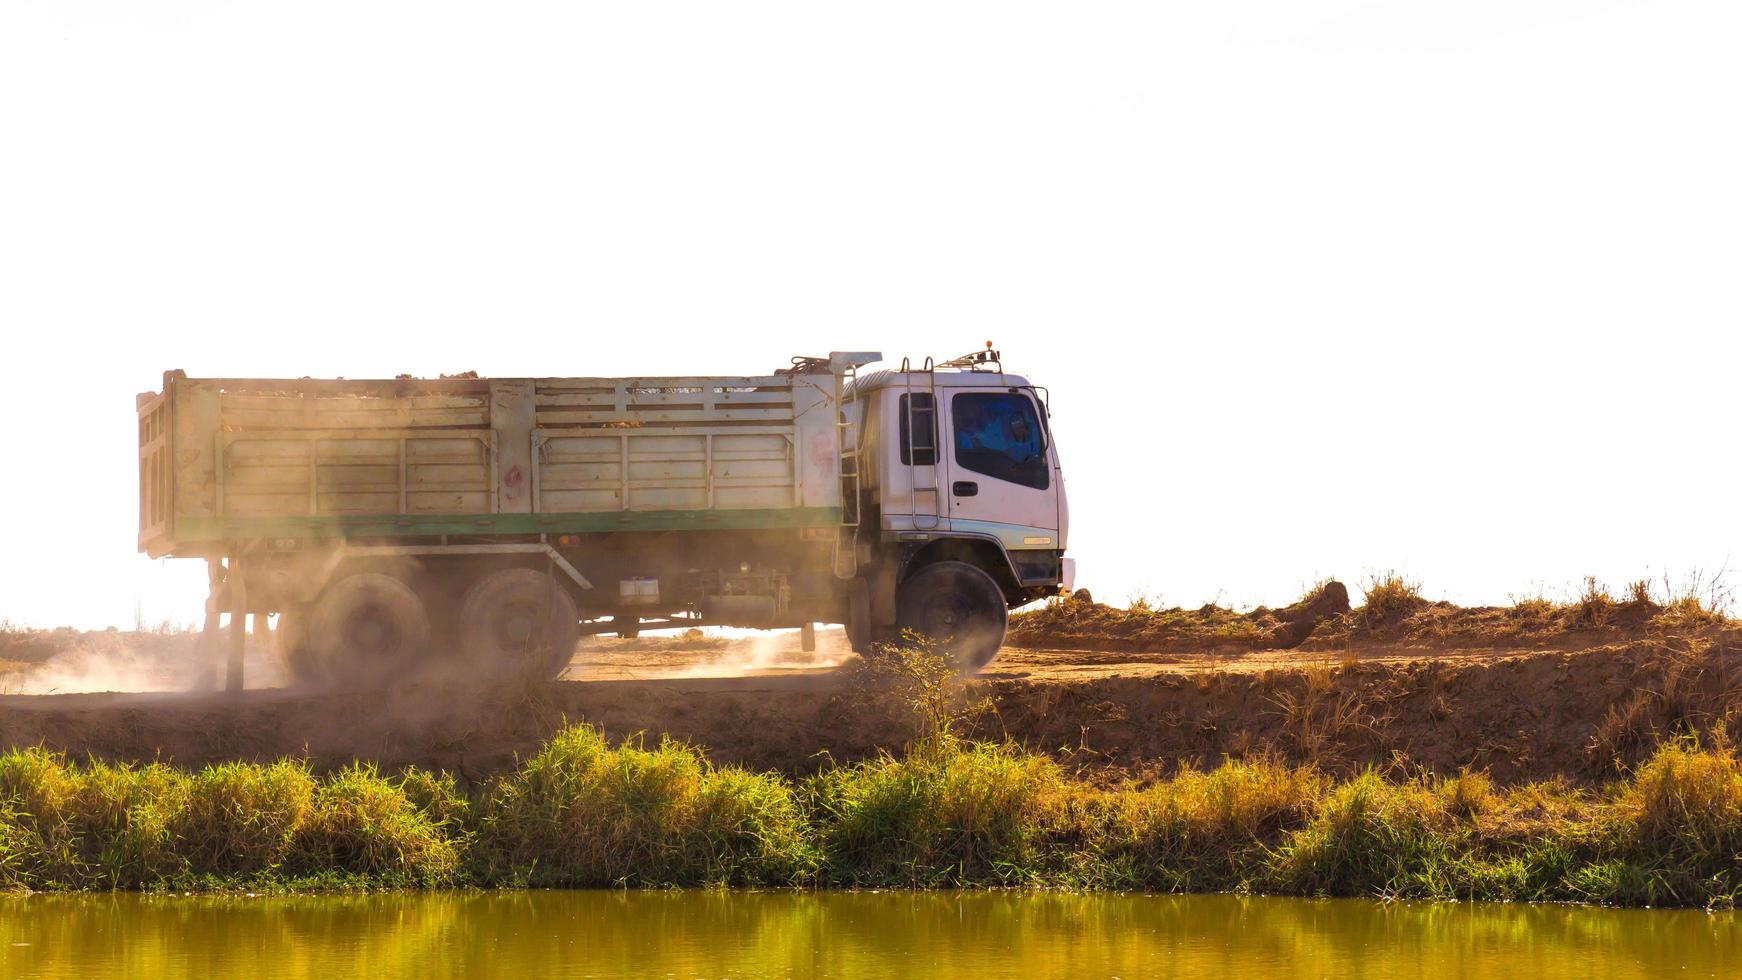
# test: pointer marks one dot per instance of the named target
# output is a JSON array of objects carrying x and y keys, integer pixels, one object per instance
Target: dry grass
[
  {"x": 1594, "y": 605},
  {"x": 1322, "y": 719},
  {"x": 1387, "y": 597}
]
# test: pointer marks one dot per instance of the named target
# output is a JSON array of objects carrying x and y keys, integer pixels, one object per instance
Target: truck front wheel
[{"x": 957, "y": 605}]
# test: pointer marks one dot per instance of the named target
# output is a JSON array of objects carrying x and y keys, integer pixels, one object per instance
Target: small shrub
[
  {"x": 1532, "y": 607},
  {"x": 947, "y": 813},
  {"x": 438, "y": 797},
  {"x": 241, "y": 818},
  {"x": 752, "y": 830},
  {"x": 1699, "y": 601},
  {"x": 581, "y": 813},
  {"x": 16, "y": 850},
  {"x": 1594, "y": 603},
  {"x": 1675, "y": 828},
  {"x": 1639, "y": 592},
  {"x": 125, "y": 821},
  {"x": 1467, "y": 795},
  {"x": 1207, "y": 831},
  {"x": 1321, "y": 719},
  {"x": 361, "y": 824},
  {"x": 925, "y": 684},
  {"x": 1625, "y": 726},
  {"x": 1388, "y": 597},
  {"x": 1370, "y": 837}
]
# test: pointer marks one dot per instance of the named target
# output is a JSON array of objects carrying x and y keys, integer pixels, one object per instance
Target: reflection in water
[{"x": 525, "y": 935}]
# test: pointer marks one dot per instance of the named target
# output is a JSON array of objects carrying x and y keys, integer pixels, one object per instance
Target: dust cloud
[
  {"x": 71, "y": 662},
  {"x": 724, "y": 652}
]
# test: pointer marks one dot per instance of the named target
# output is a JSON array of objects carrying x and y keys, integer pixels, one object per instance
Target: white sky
[{"x": 1318, "y": 287}]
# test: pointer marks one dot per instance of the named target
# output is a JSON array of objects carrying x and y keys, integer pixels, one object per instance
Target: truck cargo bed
[{"x": 224, "y": 459}]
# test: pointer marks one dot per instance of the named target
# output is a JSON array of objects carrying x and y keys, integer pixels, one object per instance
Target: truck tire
[
  {"x": 628, "y": 627},
  {"x": 367, "y": 629},
  {"x": 519, "y": 621},
  {"x": 957, "y": 605},
  {"x": 293, "y": 649}
]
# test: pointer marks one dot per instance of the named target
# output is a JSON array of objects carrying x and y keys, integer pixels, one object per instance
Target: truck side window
[
  {"x": 923, "y": 450},
  {"x": 1000, "y": 435}
]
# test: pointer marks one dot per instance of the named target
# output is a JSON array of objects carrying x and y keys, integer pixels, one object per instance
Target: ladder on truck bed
[{"x": 848, "y": 427}]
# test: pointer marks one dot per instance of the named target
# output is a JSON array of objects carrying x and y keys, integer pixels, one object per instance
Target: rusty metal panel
[{"x": 512, "y": 416}]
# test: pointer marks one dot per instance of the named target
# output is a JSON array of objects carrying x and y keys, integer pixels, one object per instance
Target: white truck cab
[{"x": 959, "y": 467}]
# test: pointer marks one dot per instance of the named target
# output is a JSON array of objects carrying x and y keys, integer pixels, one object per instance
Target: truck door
[
  {"x": 915, "y": 496},
  {"x": 1001, "y": 474}
]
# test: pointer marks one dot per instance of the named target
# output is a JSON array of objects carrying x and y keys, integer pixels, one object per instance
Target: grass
[
  {"x": 582, "y": 813},
  {"x": 947, "y": 812},
  {"x": 1320, "y": 720},
  {"x": 64, "y": 825},
  {"x": 1387, "y": 597}
]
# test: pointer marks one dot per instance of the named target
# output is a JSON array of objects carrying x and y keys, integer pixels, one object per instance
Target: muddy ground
[{"x": 1563, "y": 694}]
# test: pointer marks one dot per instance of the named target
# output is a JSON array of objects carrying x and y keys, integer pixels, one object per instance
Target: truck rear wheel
[
  {"x": 366, "y": 629},
  {"x": 291, "y": 639},
  {"x": 520, "y": 621},
  {"x": 959, "y": 606}
]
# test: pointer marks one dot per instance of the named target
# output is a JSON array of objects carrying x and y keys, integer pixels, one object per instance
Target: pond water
[{"x": 528, "y": 935}]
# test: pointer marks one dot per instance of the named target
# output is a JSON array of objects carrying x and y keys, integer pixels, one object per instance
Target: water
[{"x": 531, "y": 935}]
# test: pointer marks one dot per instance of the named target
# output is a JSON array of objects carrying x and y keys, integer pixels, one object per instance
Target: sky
[{"x": 1319, "y": 287}]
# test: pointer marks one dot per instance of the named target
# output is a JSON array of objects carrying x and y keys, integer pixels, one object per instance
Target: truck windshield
[{"x": 1000, "y": 435}]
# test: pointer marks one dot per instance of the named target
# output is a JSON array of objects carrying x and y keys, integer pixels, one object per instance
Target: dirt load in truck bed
[{"x": 1529, "y": 691}]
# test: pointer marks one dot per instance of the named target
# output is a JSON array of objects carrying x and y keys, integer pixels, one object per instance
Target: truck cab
[{"x": 962, "y": 472}]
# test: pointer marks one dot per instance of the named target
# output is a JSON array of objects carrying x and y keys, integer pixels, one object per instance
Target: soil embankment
[{"x": 1528, "y": 692}]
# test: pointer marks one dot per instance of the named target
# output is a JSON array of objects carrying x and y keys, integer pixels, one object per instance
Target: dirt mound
[
  {"x": 1530, "y": 624},
  {"x": 1077, "y": 622}
]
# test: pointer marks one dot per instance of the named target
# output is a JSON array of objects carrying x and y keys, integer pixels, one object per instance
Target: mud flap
[{"x": 859, "y": 630}]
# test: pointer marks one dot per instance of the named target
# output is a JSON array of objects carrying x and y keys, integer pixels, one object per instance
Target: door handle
[{"x": 964, "y": 488}]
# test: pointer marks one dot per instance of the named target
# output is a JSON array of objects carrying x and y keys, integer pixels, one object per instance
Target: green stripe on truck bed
[{"x": 194, "y": 529}]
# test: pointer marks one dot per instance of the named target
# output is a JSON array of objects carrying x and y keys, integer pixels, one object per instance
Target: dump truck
[{"x": 486, "y": 524}]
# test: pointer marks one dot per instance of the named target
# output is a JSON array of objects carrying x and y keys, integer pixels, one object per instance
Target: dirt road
[{"x": 1518, "y": 712}]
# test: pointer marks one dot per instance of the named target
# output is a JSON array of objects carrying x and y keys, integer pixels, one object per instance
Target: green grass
[
  {"x": 947, "y": 812},
  {"x": 582, "y": 813}
]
